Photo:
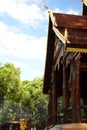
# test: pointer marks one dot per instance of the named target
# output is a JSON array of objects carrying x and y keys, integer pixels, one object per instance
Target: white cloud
[
  {"x": 21, "y": 45},
  {"x": 30, "y": 14}
]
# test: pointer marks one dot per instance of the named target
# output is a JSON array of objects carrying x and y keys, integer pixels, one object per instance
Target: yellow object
[
  {"x": 23, "y": 124},
  {"x": 80, "y": 50}
]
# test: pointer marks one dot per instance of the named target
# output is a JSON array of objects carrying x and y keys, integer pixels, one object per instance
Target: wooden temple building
[{"x": 66, "y": 67}]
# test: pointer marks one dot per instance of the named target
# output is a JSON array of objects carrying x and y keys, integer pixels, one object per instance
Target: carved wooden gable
[{"x": 66, "y": 33}]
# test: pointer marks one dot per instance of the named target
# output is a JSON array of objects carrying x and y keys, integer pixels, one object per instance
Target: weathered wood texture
[
  {"x": 66, "y": 94},
  {"x": 77, "y": 28},
  {"x": 74, "y": 126},
  {"x": 70, "y": 21},
  {"x": 75, "y": 91},
  {"x": 52, "y": 107},
  {"x": 49, "y": 59},
  {"x": 71, "y": 126},
  {"x": 76, "y": 35}
]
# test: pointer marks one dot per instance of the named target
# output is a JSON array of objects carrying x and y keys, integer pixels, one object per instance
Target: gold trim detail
[{"x": 80, "y": 50}]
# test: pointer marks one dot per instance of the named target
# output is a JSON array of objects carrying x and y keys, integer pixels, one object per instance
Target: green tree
[
  {"x": 32, "y": 95},
  {"x": 21, "y": 96},
  {"x": 9, "y": 81},
  {"x": 9, "y": 86},
  {"x": 33, "y": 98}
]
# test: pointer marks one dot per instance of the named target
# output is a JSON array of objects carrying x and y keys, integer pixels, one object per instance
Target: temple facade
[{"x": 66, "y": 68}]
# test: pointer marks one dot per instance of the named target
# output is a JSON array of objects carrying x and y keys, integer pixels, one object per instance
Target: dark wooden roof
[
  {"x": 71, "y": 21},
  {"x": 77, "y": 35},
  {"x": 76, "y": 25}
]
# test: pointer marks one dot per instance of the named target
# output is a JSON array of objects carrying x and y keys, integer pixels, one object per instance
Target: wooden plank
[
  {"x": 83, "y": 66},
  {"x": 70, "y": 126},
  {"x": 74, "y": 126},
  {"x": 78, "y": 36}
]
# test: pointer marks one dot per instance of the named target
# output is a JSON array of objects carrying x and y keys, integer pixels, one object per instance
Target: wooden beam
[
  {"x": 83, "y": 66},
  {"x": 60, "y": 36},
  {"x": 56, "y": 30},
  {"x": 73, "y": 126}
]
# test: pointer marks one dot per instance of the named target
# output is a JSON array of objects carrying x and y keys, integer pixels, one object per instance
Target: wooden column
[
  {"x": 50, "y": 102},
  {"x": 65, "y": 92},
  {"x": 75, "y": 90},
  {"x": 52, "y": 107},
  {"x": 49, "y": 121},
  {"x": 54, "y": 98}
]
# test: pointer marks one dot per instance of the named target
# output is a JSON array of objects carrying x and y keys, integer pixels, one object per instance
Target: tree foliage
[
  {"x": 34, "y": 99},
  {"x": 9, "y": 81},
  {"x": 20, "y": 97}
]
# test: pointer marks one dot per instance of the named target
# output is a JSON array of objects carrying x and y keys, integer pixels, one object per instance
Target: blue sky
[{"x": 23, "y": 32}]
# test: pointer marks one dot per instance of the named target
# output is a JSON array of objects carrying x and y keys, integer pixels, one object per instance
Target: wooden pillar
[
  {"x": 52, "y": 107},
  {"x": 54, "y": 98},
  {"x": 65, "y": 92},
  {"x": 49, "y": 121},
  {"x": 50, "y": 102},
  {"x": 75, "y": 90}
]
